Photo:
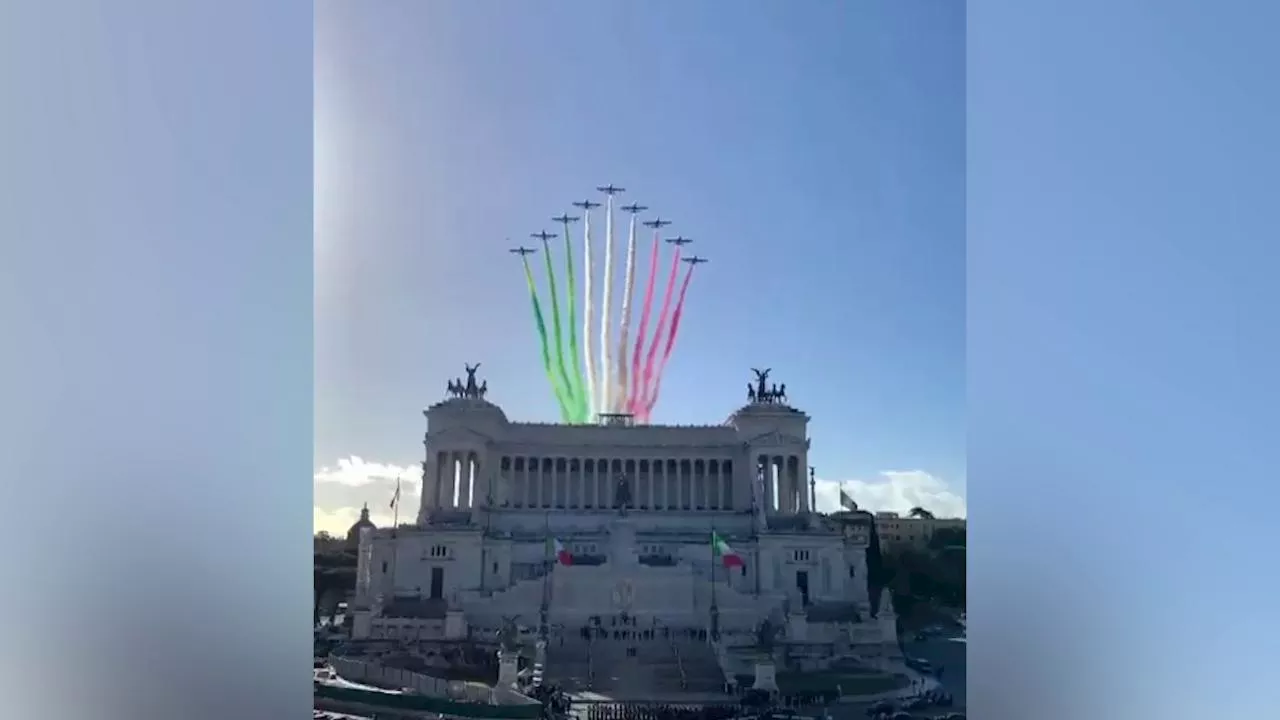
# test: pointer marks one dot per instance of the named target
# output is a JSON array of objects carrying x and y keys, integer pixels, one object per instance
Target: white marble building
[{"x": 495, "y": 491}]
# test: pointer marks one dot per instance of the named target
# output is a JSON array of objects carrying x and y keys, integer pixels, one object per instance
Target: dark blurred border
[{"x": 157, "y": 358}]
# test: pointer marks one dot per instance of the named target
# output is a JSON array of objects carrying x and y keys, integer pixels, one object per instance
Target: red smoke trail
[
  {"x": 671, "y": 343},
  {"x": 633, "y": 393},
  {"x": 642, "y": 393}
]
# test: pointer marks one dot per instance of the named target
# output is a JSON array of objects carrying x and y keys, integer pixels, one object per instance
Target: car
[{"x": 919, "y": 665}]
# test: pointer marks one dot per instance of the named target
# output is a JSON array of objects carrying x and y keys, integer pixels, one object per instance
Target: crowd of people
[{"x": 555, "y": 702}]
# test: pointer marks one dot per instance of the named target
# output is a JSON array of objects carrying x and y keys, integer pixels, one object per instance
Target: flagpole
[
  {"x": 544, "y": 619},
  {"x": 395, "y": 533},
  {"x": 715, "y": 610}
]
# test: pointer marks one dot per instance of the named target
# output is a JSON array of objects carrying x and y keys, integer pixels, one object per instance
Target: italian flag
[
  {"x": 562, "y": 555},
  {"x": 728, "y": 556}
]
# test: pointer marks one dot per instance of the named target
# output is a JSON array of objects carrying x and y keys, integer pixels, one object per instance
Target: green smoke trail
[
  {"x": 569, "y": 398},
  {"x": 542, "y": 336},
  {"x": 579, "y": 384}
]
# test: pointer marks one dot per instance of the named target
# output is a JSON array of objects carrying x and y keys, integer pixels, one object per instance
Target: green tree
[
  {"x": 947, "y": 537},
  {"x": 919, "y": 512}
]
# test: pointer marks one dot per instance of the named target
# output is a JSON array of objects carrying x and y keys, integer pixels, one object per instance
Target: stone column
[
  {"x": 534, "y": 466},
  {"x": 575, "y": 479},
  {"x": 802, "y": 482},
  {"x": 447, "y": 472},
  {"x": 787, "y": 497},
  {"x": 653, "y": 493},
  {"x": 430, "y": 487},
  {"x": 552, "y": 482},
  {"x": 698, "y": 496}
]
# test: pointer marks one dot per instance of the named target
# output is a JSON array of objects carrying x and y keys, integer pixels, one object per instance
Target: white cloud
[
  {"x": 357, "y": 472},
  {"x": 339, "y": 493},
  {"x": 894, "y": 490},
  {"x": 336, "y": 522}
]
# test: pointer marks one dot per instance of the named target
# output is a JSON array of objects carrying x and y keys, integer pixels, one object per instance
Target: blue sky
[{"x": 816, "y": 155}]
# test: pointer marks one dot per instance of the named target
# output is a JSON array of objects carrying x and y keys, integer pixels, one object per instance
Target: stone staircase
[
  {"x": 569, "y": 665},
  {"x": 700, "y": 667}
]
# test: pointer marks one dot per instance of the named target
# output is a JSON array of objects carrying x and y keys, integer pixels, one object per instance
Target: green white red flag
[{"x": 728, "y": 556}]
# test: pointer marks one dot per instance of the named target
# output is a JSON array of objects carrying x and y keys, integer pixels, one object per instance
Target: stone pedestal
[
  {"x": 798, "y": 627},
  {"x": 361, "y": 624},
  {"x": 887, "y": 620},
  {"x": 622, "y": 544},
  {"x": 508, "y": 667},
  {"x": 455, "y": 625},
  {"x": 766, "y": 676}
]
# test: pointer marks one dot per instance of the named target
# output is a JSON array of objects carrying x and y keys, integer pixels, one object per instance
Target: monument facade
[{"x": 634, "y": 507}]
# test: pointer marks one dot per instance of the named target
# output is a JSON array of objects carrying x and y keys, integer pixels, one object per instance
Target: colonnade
[
  {"x": 457, "y": 479},
  {"x": 785, "y": 489},
  {"x": 591, "y": 483}
]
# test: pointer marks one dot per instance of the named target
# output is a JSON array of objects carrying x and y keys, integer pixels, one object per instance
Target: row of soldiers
[
  {"x": 628, "y": 634},
  {"x": 649, "y": 711}
]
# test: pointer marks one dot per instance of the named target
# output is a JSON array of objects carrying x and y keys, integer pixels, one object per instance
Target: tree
[
  {"x": 948, "y": 537},
  {"x": 919, "y": 512}
]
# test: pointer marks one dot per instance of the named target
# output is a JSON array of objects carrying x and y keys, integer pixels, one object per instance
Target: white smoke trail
[
  {"x": 588, "y": 308},
  {"x": 606, "y": 318},
  {"x": 627, "y": 290}
]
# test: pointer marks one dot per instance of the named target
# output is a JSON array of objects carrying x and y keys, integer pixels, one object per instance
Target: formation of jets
[{"x": 635, "y": 208}]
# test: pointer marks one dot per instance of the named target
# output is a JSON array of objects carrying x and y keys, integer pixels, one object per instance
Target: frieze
[
  {"x": 778, "y": 439},
  {"x": 456, "y": 433}
]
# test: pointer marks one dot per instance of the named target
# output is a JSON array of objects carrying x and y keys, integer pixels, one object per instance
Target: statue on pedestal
[
  {"x": 622, "y": 495},
  {"x": 767, "y": 635},
  {"x": 762, "y": 392},
  {"x": 468, "y": 389},
  {"x": 762, "y": 389},
  {"x": 509, "y": 634}
]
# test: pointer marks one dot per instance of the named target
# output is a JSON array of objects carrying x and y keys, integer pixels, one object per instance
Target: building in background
[{"x": 894, "y": 529}]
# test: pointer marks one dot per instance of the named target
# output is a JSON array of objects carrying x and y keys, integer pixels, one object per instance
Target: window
[
  {"x": 495, "y": 568},
  {"x": 853, "y": 570},
  {"x": 384, "y": 566},
  {"x": 801, "y": 555},
  {"x": 439, "y": 551}
]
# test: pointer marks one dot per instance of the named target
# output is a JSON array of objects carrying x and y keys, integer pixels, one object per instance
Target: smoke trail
[
  {"x": 627, "y": 291},
  {"x": 645, "y": 311},
  {"x": 577, "y": 386},
  {"x": 587, "y": 308},
  {"x": 542, "y": 336},
  {"x": 671, "y": 343},
  {"x": 606, "y": 318},
  {"x": 642, "y": 396},
  {"x": 566, "y": 388}
]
